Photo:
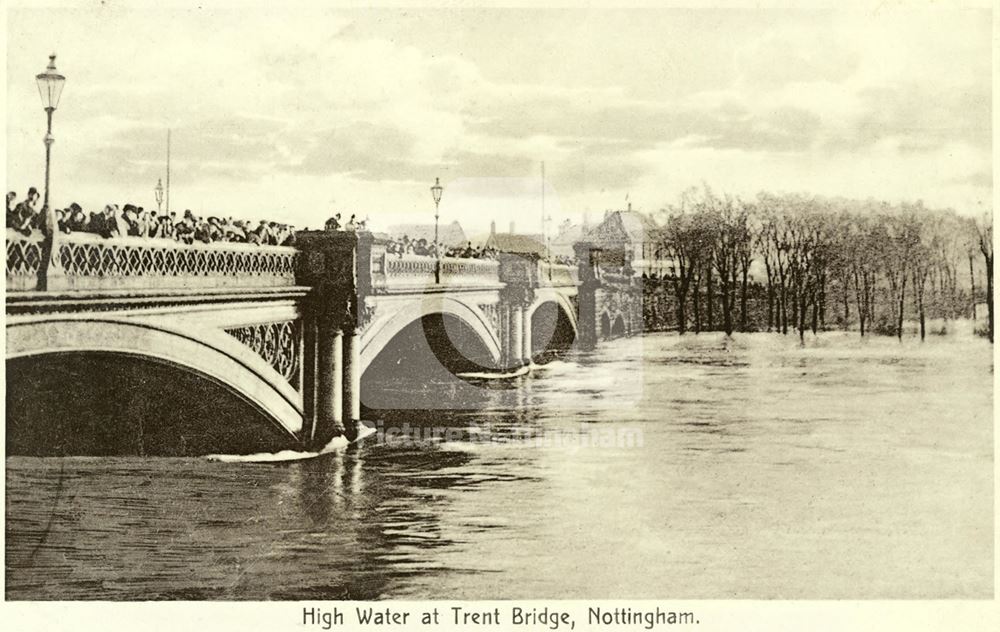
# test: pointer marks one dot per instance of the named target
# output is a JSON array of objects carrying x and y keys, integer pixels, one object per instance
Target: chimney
[
  {"x": 493, "y": 228},
  {"x": 512, "y": 228}
]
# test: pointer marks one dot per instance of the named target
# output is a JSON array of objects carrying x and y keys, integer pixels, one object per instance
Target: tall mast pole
[
  {"x": 545, "y": 232},
  {"x": 168, "y": 171},
  {"x": 545, "y": 225}
]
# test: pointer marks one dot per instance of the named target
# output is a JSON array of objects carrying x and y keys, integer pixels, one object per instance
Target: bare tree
[
  {"x": 984, "y": 229},
  {"x": 866, "y": 257}
]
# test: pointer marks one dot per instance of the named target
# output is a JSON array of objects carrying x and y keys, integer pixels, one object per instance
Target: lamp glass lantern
[
  {"x": 437, "y": 190},
  {"x": 158, "y": 192},
  {"x": 50, "y": 85}
]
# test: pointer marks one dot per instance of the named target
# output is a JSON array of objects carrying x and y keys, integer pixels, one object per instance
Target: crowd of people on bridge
[
  {"x": 130, "y": 220},
  {"x": 351, "y": 225},
  {"x": 405, "y": 246}
]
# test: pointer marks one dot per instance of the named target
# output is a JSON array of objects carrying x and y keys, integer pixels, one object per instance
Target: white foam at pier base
[
  {"x": 363, "y": 432},
  {"x": 497, "y": 376},
  {"x": 262, "y": 457},
  {"x": 335, "y": 444}
]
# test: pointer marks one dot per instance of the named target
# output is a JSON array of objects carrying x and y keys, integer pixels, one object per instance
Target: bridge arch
[
  {"x": 562, "y": 302},
  {"x": 409, "y": 312},
  {"x": 553, "y": 322},
  {"x": 220, "y": 359}
]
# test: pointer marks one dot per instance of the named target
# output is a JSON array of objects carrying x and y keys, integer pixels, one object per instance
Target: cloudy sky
[{"x": 290, "y": 115}]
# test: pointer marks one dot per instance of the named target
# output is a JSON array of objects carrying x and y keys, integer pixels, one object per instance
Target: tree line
[{"x": 792, "y": 262}]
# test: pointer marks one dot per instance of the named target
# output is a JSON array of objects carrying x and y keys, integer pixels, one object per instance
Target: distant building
[
  {"x": 530, "y": 244},
  {"x": 449, "y": 235},
  {"x": 569, "y": 234},
  {"x": 629, "y": 238}
]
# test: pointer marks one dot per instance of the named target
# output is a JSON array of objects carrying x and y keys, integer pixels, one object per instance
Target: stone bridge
[{"x": 290, "y": 333}]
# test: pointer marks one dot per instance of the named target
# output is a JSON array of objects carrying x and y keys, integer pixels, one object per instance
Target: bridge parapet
[
  {"x": 558, "y": 275},
  {"x": 414, "y": 273},
  {"x": 24, "y": 261},
  {"x": 84, "y": 261}
]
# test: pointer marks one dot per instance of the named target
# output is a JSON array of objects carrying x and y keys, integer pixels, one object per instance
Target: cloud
[
  {"x": 923, "y": 111},
  {"x": 370, "y": 151},
  {"x": 719, "y": 120},
  {"x": 809, "y": 53},
  {"x": 371, "y": 110},
  {"x": 981, "y": 179},
  {"x": 237, "y": 147}
]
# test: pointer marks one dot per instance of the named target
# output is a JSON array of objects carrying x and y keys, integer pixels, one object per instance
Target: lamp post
[
  {"x": 50, "y": 85},
  {"x": 436, "y": 191},
  {"x": 158, "y": 192}
]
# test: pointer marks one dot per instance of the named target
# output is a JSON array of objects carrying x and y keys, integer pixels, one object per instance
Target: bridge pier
[
  {"x": 587, "y": 295},
  {"x": 514, "y": 353},
  {"x": 526, "y": 337},
  {"x": 335, "y": 379},
  {"x": 351, "y": 386},
  {"x": 519, "y": 274},
  {"x": 323, "y": 385},
  {"x": 330, "y": 263}
]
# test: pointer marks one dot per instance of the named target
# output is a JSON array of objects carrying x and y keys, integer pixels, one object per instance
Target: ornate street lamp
[
  {"x": 158, "y": 191},
  {"x": 436, "y": 191},
  {"x": 50, "y": 85}
]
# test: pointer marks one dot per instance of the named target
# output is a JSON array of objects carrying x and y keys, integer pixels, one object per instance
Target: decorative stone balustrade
[
  {"x": 24, "y": 260},
  {"x": 410, "y": 273},
  {"x": 84, "y": 261}
]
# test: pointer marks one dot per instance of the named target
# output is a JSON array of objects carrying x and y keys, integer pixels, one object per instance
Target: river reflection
[{"x": 752, "y": 468}]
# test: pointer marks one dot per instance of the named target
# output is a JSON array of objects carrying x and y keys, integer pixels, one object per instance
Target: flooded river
[{"x": 655, "y": 466}]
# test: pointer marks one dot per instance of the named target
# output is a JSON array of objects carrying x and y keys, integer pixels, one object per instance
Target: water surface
[{"x": 656, "y": 466}]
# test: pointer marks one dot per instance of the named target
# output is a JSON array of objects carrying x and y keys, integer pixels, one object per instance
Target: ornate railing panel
[
  {"x": 485, "y": 269},
  {"x": 24, "y": 260},
  {"x": 278, "y": 343},
  {"x": 416, "y": 272},
  {"x": 88, "y": 261}
]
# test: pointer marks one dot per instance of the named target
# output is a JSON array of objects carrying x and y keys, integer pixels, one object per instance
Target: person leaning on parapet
[
  {"x": 184, "y": 228},
  {"x": 108, "y": 223},
  {"x": 77, "y": 220},
  {"x": 116, "y": 226},
  {"x": 166, "y": 227},
  {"x": 258, "y": 235},
  {"x": 25, "y": 216},
  {"x": 130, "y": 222},
  {"x": 62, "y": 220},
  {"x": 11, "y": 217}
]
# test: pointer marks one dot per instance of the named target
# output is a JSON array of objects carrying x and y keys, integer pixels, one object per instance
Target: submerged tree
[
  {"x": 878, "y": 264},
  {"x": 984, "y": 230}
]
